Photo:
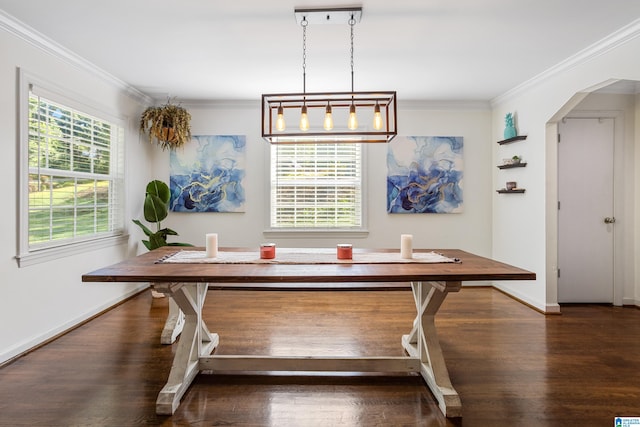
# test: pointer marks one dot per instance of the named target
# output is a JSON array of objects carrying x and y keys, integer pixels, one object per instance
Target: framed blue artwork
[
  {"x": 424, "y": 174},
  {"x": 207, "y": 175}
]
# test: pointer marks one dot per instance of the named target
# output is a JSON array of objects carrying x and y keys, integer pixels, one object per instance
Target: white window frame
[
  {"x": 329, "y": 232},
  {"x": 34, "y": 254}
]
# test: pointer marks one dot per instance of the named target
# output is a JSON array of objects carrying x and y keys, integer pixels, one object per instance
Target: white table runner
[{"x": 304, "y": 256}]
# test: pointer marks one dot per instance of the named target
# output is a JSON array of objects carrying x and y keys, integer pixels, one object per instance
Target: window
[
  {"x": 72, "y": 167},
  {"x": 316, "y": 186}
]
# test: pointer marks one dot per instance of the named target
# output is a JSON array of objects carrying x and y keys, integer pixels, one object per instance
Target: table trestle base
[
  {"x": 196, "y": 340},
  {"x": 422, "y": 342},
  {"x": 193, "y": 354},
  {"x": 233, "y": 363},
  {"x": 175, "y": 320}
]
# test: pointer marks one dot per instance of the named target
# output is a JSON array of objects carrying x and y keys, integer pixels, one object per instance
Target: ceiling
[{"x": 441, "y": 50}]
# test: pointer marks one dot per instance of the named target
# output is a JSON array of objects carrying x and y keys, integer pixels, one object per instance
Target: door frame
[{"x": 618, "y": 194}]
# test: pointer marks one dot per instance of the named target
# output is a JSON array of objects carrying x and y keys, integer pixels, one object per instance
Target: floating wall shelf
[
  {"x": 516, "y": 191},
  {"x": 514, "y": 139},
  {"x": 514, "y": 165}
]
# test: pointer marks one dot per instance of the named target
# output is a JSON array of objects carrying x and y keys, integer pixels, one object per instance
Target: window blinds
[
  {"x": 75, "y": 174},
  {"x": 316, "y": 186}
]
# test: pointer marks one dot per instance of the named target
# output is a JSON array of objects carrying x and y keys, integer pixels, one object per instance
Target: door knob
[{"x": 608, "y": 220}]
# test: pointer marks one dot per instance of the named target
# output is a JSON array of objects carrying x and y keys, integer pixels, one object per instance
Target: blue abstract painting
[
  {"x": 424, "y": 174},
  {"x": 207, "y": 175}
]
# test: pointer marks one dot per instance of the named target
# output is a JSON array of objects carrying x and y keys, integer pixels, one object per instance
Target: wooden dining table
[{"x": 187, "y": 284}]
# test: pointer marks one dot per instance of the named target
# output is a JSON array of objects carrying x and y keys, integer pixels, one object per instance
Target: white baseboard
[
  {"x": 477, "y": 284},
  {"x": 631, "y": 301},
  {"x": 542, "y": 307},
  {"x": 67, "y": 326}
]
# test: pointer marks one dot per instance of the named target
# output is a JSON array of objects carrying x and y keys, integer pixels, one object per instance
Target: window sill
[{"x": 49, "y": 254}]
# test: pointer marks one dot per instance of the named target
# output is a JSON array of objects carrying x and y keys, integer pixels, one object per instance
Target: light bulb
[
  {"x": 377, "y": 117},
  {"x": 304, "y": 119},
  {"x": 328, "y": 118},
  {"x": 280, "y": 124},
  {"x": 352, "y": 124}
]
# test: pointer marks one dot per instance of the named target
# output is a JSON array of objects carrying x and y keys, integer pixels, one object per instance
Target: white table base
[{"x": 193, "y": 354}]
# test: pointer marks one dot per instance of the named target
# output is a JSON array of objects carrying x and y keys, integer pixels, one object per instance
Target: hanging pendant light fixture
[
  {"x": 377, "y": 117},
  {"x": 280, "y": 123},
  {"x": 328, "y": 118},
  {"x": 341, "y": 109}
]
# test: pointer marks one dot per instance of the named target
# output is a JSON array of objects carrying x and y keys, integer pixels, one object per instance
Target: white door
[{"x": 585, "y": 216}]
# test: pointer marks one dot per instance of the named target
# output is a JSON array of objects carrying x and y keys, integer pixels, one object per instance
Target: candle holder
[
  {"x": 268, "y": 251},
  {"x": 345, "y": 251}
]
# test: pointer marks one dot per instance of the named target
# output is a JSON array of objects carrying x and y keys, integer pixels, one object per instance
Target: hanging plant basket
[{"x": 169, "y": 125}]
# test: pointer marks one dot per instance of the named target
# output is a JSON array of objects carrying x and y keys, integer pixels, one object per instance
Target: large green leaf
[
  {"x": 168, "y": 232},
  {"x": 157, "y": 240},
  {"x": 155, "y": 210},
  {"x": 160, "y": 189},
  {"x": 144, "y": 228}
]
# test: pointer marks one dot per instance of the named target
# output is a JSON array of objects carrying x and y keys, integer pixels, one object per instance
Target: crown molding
[
  {"x": 443, "y": 105},
  {"x": 226, "y": 104},
  {"x": 405, "y": 105},
  {"x": 31, "y": 36},
  {"x": 610, "y": 42}
]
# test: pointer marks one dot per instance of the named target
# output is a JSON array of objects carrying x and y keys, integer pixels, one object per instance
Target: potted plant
[
  {"x": 156, "y": 208},
  {"x": 169, "y": 124}
]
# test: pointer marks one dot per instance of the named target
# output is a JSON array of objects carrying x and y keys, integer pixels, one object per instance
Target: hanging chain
[
  {"x": 352, "y": 23},
  {"x": 304, "y": 23}
]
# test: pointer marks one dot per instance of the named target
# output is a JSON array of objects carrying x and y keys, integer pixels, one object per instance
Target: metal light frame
[{"x": 340, "y": 102}]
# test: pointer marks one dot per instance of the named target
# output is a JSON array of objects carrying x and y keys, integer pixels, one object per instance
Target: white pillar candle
[
  {"x": 406, "y": 246},
  {"x": 212, "y": 245}
]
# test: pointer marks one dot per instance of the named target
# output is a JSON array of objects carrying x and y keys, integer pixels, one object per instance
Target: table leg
[
  {"x": 195, "y": 341},
  {"x": 174, "y": 323},
  {"x": 422, "y": 342}
]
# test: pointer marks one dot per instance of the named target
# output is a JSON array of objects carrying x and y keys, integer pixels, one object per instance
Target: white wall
[
  {"x": 530, "y": 217},
  {"x": 470, "y": 230},
  {"x": 39, "y": 301}
]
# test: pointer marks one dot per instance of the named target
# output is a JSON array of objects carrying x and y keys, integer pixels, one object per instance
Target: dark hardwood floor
[{"x": 511, "y": 365}]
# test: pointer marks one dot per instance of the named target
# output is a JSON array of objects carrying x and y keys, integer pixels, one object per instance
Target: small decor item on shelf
[
  {"x": 510, "y": 129},
  {"x": 515, "y": 160},
  {"x": 511, "y": 185},
  {"x": 169, "y": 124}
]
